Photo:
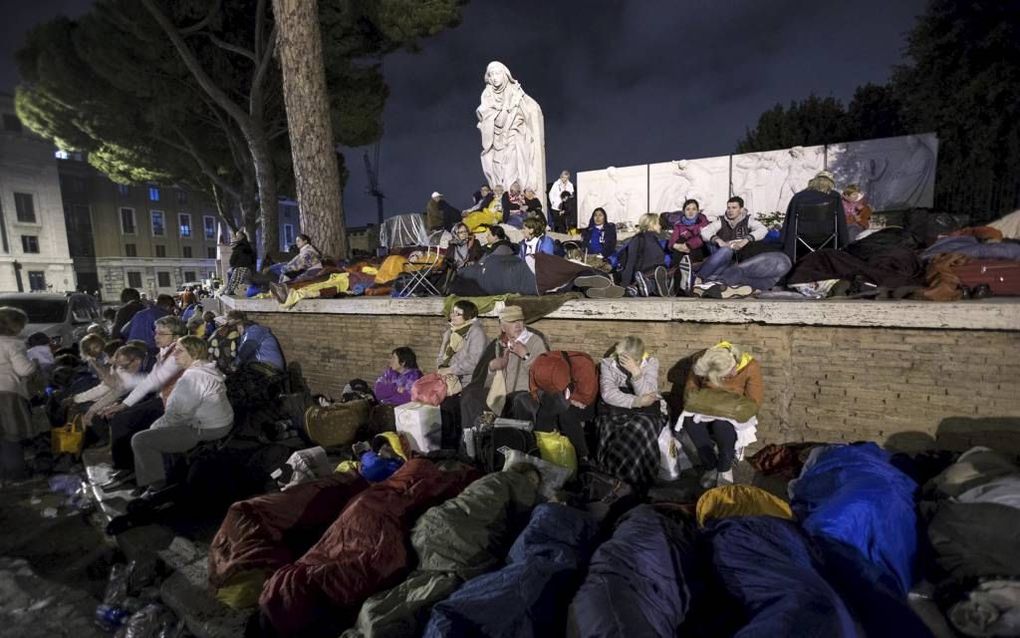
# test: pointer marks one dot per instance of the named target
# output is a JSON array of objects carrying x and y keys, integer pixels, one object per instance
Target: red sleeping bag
[
  {"x": 269, "y": 531},
  {"x": 363, "y": 552}
]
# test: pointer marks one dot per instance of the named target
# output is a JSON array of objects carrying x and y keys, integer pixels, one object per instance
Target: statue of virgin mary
[{"x": 513, "y": 132}]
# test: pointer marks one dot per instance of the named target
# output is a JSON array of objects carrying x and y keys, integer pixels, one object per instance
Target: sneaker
[
  {"x": 631, "y": 291},
  {"x": 279, "y": 291},
  {"x": 709, "y": 479},
  {"x": 684, "y": 272},
  {"x": 730, "y": 292},
  {"x": 611, "y": 291},
  {"x": 641, "y": 283},
  {"x": 662, "y": 283},
  {"x": 593, "y": 281},
  {"x": 710, "y": 291},
  {"x": 726, "y": 478}
]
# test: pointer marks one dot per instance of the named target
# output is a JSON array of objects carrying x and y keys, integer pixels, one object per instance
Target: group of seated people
[
  {"x": 171, "y": 383},
  {"x": 516, "y": 375}
]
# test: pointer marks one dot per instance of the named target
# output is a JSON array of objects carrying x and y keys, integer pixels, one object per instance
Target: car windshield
[{"x": 40, "y": 310}]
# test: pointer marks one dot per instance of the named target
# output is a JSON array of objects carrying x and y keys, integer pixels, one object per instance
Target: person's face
[
  {"x": 484, "y": 190},
  {"x": 691, "y": 211},
  {"x": 565, "y": 176},
  {"x": 512, "y": 329},
  {"x": 163, "y": 337},
  {"x": 463, "y": 234},
  {"x": 732, "y": 210},
  {"x": 515, "y": 188},
  {"x": 395, "y": 363},
  {"x": 182, "y": 357},
  {"x": 131, "y": 366},
  {"x": 600, "y": 218},
  {"x": 495, "y": 77},
  {"x": 529, "y": 193},
  {"x": 457, "y": 317},
  {"x": 499, "y": 191},
  {"x": 300, "y": 242}
]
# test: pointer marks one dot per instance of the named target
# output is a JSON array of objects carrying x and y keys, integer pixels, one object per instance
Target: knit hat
[{"x": 511, "y": 314}]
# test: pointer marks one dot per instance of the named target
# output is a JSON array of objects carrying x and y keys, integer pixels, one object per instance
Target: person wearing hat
[
  {"x": 820, "y": 192},
  {"x": 857, "y": 211},
  {"x": 439, "y": 213},
  {"x": 515, "y": 350}
]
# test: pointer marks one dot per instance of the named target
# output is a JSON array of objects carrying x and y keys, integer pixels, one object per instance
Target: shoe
[
  {"x": 709, "y": 479},
  {"x": 684, "y": 272},
  {"x": 729, "y": 292},
  {"x": 125, "y": 477},
  {"x": 593, "y": 281},
  {"x": 611, "y": 291},
  {"x": 279, "y": 291},
  {"x": 641, "y": 283},
  {"x": 662, "y": 283},
  {"x": 631, "y": 291},
  {"x": 725, "y": 478},
  {"x": 713, "y": 291},
  {"x": 980, "y": 291}
]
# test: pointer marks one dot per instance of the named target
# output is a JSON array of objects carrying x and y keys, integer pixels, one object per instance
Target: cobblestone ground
[{"x": 53, "y": 564}]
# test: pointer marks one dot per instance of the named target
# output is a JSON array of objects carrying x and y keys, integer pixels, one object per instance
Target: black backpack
[{"x": 488, "y": 442}]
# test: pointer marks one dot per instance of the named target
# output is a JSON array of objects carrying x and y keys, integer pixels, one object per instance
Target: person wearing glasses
[
  {"x": 467, "y": 249},
  {"x": 459, "y": 354},
  {"x": 146, "y": 402}
]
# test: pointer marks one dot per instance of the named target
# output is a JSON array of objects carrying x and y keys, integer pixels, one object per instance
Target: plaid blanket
[{"x": 629, "y": 445}]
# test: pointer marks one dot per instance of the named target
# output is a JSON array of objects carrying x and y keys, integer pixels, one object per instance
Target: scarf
[
  {"x": 457, "y": 337},
  {"x": 745, "y": 358}
]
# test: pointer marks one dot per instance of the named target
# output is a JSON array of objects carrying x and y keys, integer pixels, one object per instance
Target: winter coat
[
  {"x": 242, "y": 255},
  {"x": 545, "y": 245},
  {"x": 612, "y": 377},
  {"x": 362, "y": 552},
  {"x": 198, "y": 400},
  {"x": 259, "y": 344},
  {"x": 394, "y": 388},
  {"x": 15, "y": 366},
  {"x": 529, "y": 596},
  {"x": 639, "y": 581},
  {"x": 642, "y": 254},
  {"x": 464, "y": 361},
  {"x": 689, "y": 234},
  {"x": 607, "y": 239},
  {"x": 746, "y": 382}
]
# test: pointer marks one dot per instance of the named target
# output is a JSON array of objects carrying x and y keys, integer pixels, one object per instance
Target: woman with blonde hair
[
  {"x": 15, "y": 415},
  {"x": 722, "y": 396},
  {"x": 630, "y": 419},
  {"x": 643, "y": 265}
]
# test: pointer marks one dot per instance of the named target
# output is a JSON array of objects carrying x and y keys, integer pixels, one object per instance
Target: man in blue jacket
[{"x": 258, "y": 344}]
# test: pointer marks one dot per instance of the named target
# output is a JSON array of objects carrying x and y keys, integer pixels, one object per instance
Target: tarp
[
  {"x": 404, "y": 231},
  {"x": 364, "y": 551},
  {"x": 638, "y": 583},
  {"x": 529, "y": 596},
  {"x": 853, "y": 495},
  {"x": 765, "y": 566}
]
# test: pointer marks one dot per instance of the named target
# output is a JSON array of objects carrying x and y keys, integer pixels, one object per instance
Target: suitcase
[{"x": 1001, "y": 276}]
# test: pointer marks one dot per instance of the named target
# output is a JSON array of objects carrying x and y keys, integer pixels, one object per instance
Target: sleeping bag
[
  {"x": 362, "y": 552},
  {"x": 765, "y": 566},
  {"x": 466, "y": 536},
  {"x": 529, "y": 596},
  {"x": 638, "y": 581},
  {"x": 852, "y": 495},
  {"x": 262, "y": 534}
]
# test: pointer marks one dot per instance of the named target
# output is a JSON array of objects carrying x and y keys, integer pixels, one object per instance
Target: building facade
[{"x": 34, "y": 251}]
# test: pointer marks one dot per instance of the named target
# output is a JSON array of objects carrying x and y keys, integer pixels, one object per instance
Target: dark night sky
[{"x": 619, "y": 82}]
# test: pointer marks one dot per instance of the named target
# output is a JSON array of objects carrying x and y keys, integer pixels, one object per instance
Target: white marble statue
[{"x": 513, "y": 132}]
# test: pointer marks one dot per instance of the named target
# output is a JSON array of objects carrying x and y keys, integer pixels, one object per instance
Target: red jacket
[{"x": 550, "y": 373}]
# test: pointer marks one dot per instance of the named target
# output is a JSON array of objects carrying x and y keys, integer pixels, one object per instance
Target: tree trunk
[
  {"x": 265, "y": 176},
  {"x": 316, "y": 174}
]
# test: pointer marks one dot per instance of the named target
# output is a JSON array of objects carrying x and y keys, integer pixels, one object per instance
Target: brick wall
[{"x": 821, "y": 383}]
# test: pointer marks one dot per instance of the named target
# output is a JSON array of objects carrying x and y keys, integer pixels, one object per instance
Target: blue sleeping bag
[
  {"x": 766, "y": 567},
  {"x": 529, "y": 596},
  {"x": 852, "y": 495},
  {"x": 638, "y": 580}
]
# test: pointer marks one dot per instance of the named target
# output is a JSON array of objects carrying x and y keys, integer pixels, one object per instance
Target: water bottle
[{"x": 110, "y": 618}]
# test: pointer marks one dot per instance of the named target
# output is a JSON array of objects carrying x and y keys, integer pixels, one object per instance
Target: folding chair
[
  {"x": 419, "y": 271},
  {"x": 816, "y": 225}
]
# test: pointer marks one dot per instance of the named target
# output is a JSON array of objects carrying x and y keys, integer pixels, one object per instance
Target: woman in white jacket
[
  {"x": 15, "y": 417},
  {"x": 196, "y": 411}
]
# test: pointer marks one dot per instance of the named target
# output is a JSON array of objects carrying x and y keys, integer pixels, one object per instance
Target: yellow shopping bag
[
  {"x": 68, "y": 439},
  {"x": 556, "y": 448}
]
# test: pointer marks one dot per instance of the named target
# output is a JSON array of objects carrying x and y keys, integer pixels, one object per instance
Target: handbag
[
  {"x": 69, "y": 438},
  {"x": 431, "y": 389}
]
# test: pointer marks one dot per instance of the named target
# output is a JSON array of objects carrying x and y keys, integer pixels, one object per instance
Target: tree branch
[
  {"x": 231, "y": 47},
  {"x": 201, "y": 24},
  {"x": 263, "y": 68},
  {"x": 260, "y": 26}
]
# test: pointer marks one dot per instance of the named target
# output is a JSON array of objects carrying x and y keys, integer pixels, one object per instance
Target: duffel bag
[
  {"x": 488, "y": 442},
  {"x": 337, "y": 424}
]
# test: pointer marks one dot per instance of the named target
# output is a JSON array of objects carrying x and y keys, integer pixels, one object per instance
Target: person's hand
[
  {"x": 737, "y": 244},
  {"x": 499, "y": 363},
  {"x": 646, "y": 400},
  {"x": 628, "y": 363},
  {"x": 721, "y": 243},
  {"x": 110, "y": 410},
  {"x": 577, "y": 404},
  {"x": 519, "y": 349},
  {"x": 681, "y": 247}
]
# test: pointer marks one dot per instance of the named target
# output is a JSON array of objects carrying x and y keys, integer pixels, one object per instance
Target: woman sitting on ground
[
  {"x": 306, "y": 263},
  {"x": 497, "y": 243},
  {"x": 393, "y": 387},
  {"x": 723, "y": 393},
  {"x": 630, "y": 419},
  {"x": 535, "y": 239},
  {"x": 532, "y": 204},
  {"x": 461, "y": 350},
  {"x": 15, "y": 416},
  {"x": 686, "y": 238},
  {"x": 600, "y": 235},
  {"x": 467, "y": 249},
  {"x": 197, "y": 410},
  {"x": 643, "y": 267},
  {"x": 514, "y": 206}
]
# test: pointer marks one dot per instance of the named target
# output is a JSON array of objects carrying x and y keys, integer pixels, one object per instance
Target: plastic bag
[
  {"x": 152, "y": 621},
  {"x": 672, "y": 459}
]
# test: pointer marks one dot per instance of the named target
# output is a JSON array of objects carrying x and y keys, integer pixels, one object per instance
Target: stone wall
[{"x": 899, "y": 385}]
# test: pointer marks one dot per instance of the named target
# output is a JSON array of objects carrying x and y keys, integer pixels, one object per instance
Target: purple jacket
[{"x": 394, "y": 388}]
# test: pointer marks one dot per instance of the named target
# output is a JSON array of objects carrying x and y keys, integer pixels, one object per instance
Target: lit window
[
  {"x": 158, "y": 224},
  {"x": 153, "y": 194},
  {"x": 185, "y": 224}
]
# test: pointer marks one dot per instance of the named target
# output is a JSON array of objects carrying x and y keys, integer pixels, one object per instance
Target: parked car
[{"x": 63, "y": 317}]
